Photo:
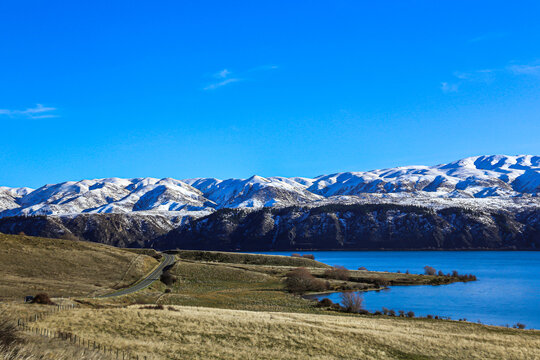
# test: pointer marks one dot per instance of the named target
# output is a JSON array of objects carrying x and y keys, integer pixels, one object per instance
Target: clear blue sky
[{"x": 92, "y": 89}]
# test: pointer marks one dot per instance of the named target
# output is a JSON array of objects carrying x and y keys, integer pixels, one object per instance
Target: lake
[{"x": 507, "y": 290}]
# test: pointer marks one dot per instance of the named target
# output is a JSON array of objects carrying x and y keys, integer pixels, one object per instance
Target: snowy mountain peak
[{"x": 500, "y": 177}]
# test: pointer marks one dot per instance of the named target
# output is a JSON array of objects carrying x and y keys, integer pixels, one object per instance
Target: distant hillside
[{"x": 30, "y": 265}]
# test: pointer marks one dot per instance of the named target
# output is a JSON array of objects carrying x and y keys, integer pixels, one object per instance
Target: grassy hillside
[
  {"x": 182, "y": 332},
  {"x": 30, "y": 265}
]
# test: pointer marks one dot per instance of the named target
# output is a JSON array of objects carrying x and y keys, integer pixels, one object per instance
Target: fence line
[{"x": 25, "y": 324}]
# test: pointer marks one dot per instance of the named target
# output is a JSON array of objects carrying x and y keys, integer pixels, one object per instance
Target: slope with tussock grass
[
  {"x": 30, "y": 265},
  {"x": 182, "y": 332}
]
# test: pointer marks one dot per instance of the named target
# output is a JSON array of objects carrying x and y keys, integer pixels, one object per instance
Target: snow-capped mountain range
[{"x": 494, "y": 180}]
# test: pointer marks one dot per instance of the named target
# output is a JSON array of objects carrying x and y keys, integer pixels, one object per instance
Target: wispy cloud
[
  {"x": 37, "y": 112},
  {"x": 527, "y": 69},
  {"x": 449, "y": 88},
  {"x": 487, "y": 76},
  {"x": 227, "y": 77},
  {"x": 488, "y": 36},
  {"x": 222, "y": 83}
]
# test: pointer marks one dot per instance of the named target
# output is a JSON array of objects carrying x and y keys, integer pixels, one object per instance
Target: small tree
[
  {"x": 391, "y": 312},
  {"x": 352, "y": 301},
  {"x": 440, "y": 273},
  {"x": 519, "y": 326},
  {"x": 428, "y": 270},
  {"x": 410, "y": 314},
  {"x": 401, "y": 313}
]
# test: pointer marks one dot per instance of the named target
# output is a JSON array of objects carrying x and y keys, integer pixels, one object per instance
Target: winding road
[{"x": 154, "y": 275}]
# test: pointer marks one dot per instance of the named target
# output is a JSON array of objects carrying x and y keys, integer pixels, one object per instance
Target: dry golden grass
[
  {"x": 205, "y": 333},
  {"x": 29, "y": 265},
  {"x": 38, "y": 347}
]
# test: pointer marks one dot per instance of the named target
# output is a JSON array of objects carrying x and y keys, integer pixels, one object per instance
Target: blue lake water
[{"x": 507, "y": 290}]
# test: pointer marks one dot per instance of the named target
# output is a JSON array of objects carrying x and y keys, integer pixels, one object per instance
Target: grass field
[
  {"x": 224, "y": 306},
  {"x": 206, "y": 333},
  {"x": 30, "y": 265}
]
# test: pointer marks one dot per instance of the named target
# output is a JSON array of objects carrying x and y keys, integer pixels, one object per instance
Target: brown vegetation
[
  {"x": 338, "y": 273},
  {"x": 300, "y": 281},
  {"x": 352, "y": 301},
  {"x": 42, "y": 298}
]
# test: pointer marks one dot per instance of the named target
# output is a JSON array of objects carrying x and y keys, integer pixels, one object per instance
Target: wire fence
[{"x": 28, "y": 324}]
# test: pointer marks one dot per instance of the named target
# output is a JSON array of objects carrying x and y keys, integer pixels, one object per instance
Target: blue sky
[{"x": 291, "y": 88}]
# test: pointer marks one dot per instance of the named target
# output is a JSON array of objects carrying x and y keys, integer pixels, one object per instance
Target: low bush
[
  {"x": 168, "y": 290},
  {"x": 401, "y": 313},
  {"x": 362, "y": 268},
  {"x": 42, "y": 298},
  {"x": 440, "y": 273},
  {"x": 391, "y": 312},
  {"x": 428, "y": 270},
  {"x": 154, "y": 307},
  {"x": 296, "y": 255},
  {"x": 519, "y": 326},
  {"x": 309, "y": 256},
  {"x": 380, "y": 282},
  {"x": 429, "y": 316},
  {"x": 338, "y": 273},
  {"x": 352, "y": 301},
  {"x": 300, "y": 281},
  {"x": 167, "y": 278},
  {"x": 410, "y": 314},
  {"x": 9, "y": 335},
  {"x": 326, "y": 302}
]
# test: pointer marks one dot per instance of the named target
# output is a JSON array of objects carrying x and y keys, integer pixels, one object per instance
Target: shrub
[
  {"x": 309, "y": 256},
  {"x": 410, "y": 314},
  {"x": 167, "y": 290},
  {"x": 42, "y": 298},
  {"x": 401, "y": 313},
  {"x": 380, "y": 282},
  {"x": 362, "y": 268},
  {"x": 296, "y": 255},
  {"x": 519, "y": 326},
  {"x": 407, "y": 272},
  {"x": 338, "y": 273},
  {"x": 326, "y": 302},
  {"x": 455, "y": 273},
  {"x": 428, "y": 270},
  {"x": 377, "y": 313},
  {"x": 391, "y": 312},
  {"x": 154, "y": 307},
  {"x": 385, "y": 311},
  {"x": 430, "y": 316},
  {"x": 352, "y": 301},
  {"x": 440, "y": 273},
  {"x": 300, "y": 280},
  {"x": 167, "y": 278},
  {"x": 9, "y": 334}
]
